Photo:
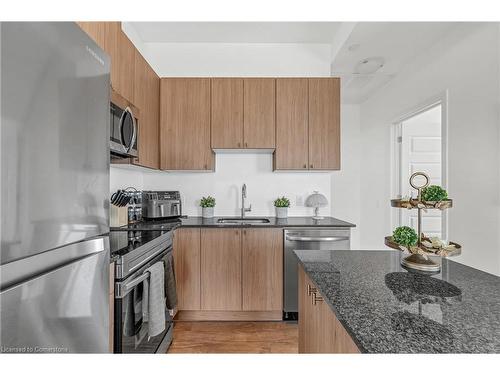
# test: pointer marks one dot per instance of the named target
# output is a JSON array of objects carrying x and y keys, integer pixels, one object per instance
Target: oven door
[
  {"x": 131, "y": 332},
  {"x": 124, "y": 133}
]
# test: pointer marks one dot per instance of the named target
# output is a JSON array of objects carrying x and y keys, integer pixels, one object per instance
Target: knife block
[{"x": 118, "y": 216}]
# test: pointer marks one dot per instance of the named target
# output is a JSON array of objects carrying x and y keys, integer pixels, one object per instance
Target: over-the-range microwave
[{"x": 123, "y": 132}]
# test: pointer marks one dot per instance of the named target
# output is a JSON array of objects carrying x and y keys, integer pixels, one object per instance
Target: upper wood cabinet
[
  {"x": 324, "y": 123},
  {"x": 221, "y": 269},
  {"x": 242, "y": 113},
  {"x": 259, "y": 102},
  {"x": 262, "y": 269},
  {"x": 185, "y": 124},
  {"x": 227, "y": 112},
  {"x": 147, "y": 98},
  {"x": 307, "y": 124},
  {"x": 291, "y": 124},
  {"x": 110, "y": 37},
  {"x": 126, "y": 67}
]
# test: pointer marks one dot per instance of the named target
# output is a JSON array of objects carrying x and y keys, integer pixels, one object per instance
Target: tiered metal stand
[{"x": 421, "y": 255}]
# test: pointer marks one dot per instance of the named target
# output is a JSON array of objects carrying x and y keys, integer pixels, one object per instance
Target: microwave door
[{"x": 128, "y": 130}]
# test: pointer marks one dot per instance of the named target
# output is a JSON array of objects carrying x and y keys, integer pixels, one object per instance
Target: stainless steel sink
[{"x": 246, "y": 220}]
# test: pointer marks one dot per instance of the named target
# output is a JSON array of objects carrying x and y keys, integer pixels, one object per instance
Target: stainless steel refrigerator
[{"x": 54, "y": 268}]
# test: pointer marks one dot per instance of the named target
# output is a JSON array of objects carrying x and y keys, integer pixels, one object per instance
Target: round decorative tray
[
  {"x": 415, "y": 203},
  {"x": 428, "y": 250}
]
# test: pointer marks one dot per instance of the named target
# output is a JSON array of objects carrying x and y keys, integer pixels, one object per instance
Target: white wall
[
  {"x": 466, "y": 65},
  {"x": 346, "y": 182},
  {"x": 232, "y": 170}
]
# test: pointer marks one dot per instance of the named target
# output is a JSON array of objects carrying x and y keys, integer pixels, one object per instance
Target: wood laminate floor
[{"x": 235, "y": 337}]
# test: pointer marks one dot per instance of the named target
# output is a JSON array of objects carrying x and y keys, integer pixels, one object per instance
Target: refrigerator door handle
[{"x": 21, "y": 270}]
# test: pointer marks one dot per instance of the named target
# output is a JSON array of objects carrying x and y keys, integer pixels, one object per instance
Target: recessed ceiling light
[{"x": 369, "y": 65}]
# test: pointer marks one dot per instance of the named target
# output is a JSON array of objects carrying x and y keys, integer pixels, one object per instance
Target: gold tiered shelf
[
  {"x": 415, "y": 204},
  {"x": 419, "y": 258},
  {"x": 427, "y": 250}
]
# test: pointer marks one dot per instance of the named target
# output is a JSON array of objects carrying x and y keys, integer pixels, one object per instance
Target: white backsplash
[{"x": 232, "y": 170}]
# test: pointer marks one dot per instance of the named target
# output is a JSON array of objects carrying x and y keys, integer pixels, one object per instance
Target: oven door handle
[
  {"x": 124, "y": 288},
  {"x": 317, "y": 239}
]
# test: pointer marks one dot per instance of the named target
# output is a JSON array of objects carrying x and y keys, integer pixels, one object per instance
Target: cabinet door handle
[
  {"x": 244, "y": 232},
  {"x": 305, "y": 166},
  {"x": 311, "y": 166},
  {"x": 239, "y": 144},
  {"x": 310, "y": 290},
  {"x": 246, "y": 144},
  {"x": 316, "y": 298}
]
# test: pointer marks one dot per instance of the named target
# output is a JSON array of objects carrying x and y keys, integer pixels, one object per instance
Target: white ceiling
[
  {"x": 236, "y": 32},
  {"x": 398, "y": 43}
]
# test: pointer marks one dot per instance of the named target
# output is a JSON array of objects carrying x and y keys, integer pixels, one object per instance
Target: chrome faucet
[{"x": 243, "y": 196}]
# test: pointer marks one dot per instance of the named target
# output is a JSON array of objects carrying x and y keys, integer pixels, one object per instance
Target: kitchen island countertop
[{"x": 387, "y": 309}]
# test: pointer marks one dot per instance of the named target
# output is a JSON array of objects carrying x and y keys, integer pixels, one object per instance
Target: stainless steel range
[{"x": 134, "y": 252}]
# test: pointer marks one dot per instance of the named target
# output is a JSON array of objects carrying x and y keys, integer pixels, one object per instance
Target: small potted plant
[
  {"x": 405, "y": 237},
  {"x": 207, "y": 207},
  {"x": 282, "y": 205},
  {"x": 434, "y": 193}
]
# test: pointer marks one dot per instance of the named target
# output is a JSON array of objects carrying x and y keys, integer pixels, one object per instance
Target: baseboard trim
[{"x": 197, "y": 315}]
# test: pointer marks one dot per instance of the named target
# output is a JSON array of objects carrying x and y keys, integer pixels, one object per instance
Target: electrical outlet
[{"x": 299, "y": 200}]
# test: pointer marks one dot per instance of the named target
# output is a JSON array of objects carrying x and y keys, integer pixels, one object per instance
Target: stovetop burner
[
  {"x": 123, "y": 242},
  {"x": 150, "y": 225}
]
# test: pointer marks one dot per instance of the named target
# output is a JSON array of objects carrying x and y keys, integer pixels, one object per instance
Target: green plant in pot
[
  {"x": 434, "y": 193},
  {"x": 405, "y": 236},
  {"x": 207, "y": 207},
  {"x": 282, "y": 204}
]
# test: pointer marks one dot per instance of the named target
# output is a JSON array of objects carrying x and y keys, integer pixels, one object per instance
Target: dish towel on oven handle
[
  {"x": 154, "y": 302},
  {"x": 170, "y": 285}
]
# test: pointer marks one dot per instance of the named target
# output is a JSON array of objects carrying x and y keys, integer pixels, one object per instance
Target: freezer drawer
[{"x": 65, "y": 310}]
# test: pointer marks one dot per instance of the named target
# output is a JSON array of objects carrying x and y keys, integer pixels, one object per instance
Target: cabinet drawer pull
[
  {"x": 311, "y": 166},
  {"x": 310, "y": 290},
  {"x": 316, "y": 298}
]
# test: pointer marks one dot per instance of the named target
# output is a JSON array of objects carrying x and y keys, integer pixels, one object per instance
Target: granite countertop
[
  {"x": 293, "y": 221},
  {"x": 387, "y": 309},
  {"x": 198, "y": 221}
]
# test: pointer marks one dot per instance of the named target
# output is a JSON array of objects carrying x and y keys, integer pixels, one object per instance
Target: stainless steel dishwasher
[{"x": 306, "y": 239}]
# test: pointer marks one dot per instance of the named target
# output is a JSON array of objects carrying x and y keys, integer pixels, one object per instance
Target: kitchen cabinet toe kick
[{"x": 241, "y": 316}]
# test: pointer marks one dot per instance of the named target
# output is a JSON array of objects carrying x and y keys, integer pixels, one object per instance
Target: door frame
[{"x": 396, "y": 133}]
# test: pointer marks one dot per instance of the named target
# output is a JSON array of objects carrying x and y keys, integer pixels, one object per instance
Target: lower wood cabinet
[
  {"x": 187, "y": 268},
  {"x": 262, "y": 269},
  {"x": 319, "y": 329},
  {"x": 221, "y": 269},
  {"x": 229, "y": 273}
]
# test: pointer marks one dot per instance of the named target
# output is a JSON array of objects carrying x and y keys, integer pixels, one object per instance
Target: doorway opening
[{"x": 421, "y": 148}]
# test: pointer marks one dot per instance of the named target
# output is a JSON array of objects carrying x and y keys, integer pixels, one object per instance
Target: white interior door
[{"x": 421, "y": 152}]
